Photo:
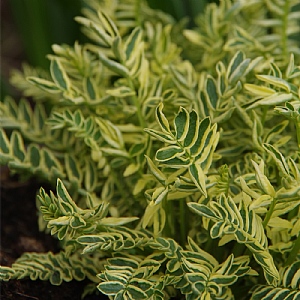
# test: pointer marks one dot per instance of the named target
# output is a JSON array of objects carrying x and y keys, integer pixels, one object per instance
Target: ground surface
[{"x": 19, "y": 233}]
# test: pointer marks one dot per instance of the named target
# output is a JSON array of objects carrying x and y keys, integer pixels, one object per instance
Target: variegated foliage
[{"x": 175, "y": 153}]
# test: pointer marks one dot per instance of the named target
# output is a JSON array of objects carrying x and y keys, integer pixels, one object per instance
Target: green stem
[
  {"x": 284, "y": 35},
  {"x": 137, "y": 105},
  {"x": 295, "y": 251},
  {"x": 120, "y": 188},
  {"x": 264, "y": 114},
  {"x": 269, "y": 213},
  {"x": 297, "y": 124},
  {"x": 182, "y": 220},
  {"x": 137, "y": 9},
  {"x": 169, "y": 226}
]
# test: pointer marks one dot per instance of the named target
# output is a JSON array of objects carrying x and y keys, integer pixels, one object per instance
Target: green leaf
[
  {"x": 167, "y": 153},
  {"x": 264, "y": 200},
  {"x": 73, "y": 169},
  {"x": 176, "y": 162},
  {"x": 163, "y": 137},
  {"x": 181, "y": 123},
  {"x": 34, "y": 155},
  {"x": 160, "y": 176},
  {"x": 198, "y": 178},
  {"x": 111, "y": 133},
  {"x": 262, "y": 180},
  {"x": 44, "y": 84},
  {"x": 112, "y": 221},
  {"x": 114, "y": 66},
  {"x": 4, "y": 142},
  {"x": 223, "y": 279},
  {"x": 77, "y": 222},
  {"x": 137, "y": 149},
  {"x": 275, "y": 81},
  {"x": 159, "y": 195},
  {"x": 259, "y": 90},
  {"x": 272, "y": 293},
  {"x": 90, "y": 179},
  {"x": 131, "y": 169},
  {"x": 291, "y": 276},
  {"x": 102, "y": 35},
  {"x": 150, "y": 211},
  {"x": 235, "y": 62},
  {"x": 122, "y": 91},
  {"x": 132, "y": 42},
  {"x": 118, "y": 49},
  {"x": 90, "y": 239},
  {"x": 161, "y": 119},
  {"x": 217, "y": 230},
  {"x": 192, "y": 133},
  {"x": 59, "y": 75},
  {"x": 205, "y": 157},
  {"x": 278, "y": 158},
  {"x": 108, "y": 23},
  {"x": 63, "y": 194},
  {"x": 276, "y": 130},
  {"x": 114, "y": 152},
  {"x": 136, "y": 293},
  {"x": 274, "y": 99},
  {"x": 128, "y": 263},
  {"x": 39, "y": 117},
  {"x": 90, "y": 88},
  {"x": 17, "y": 144},
  {"x": 25, "y": 111},
  {"x": 211, "y": 92},
  {"x": 237, "y": 67},
  {"x": 110, "y": 288},
  {"x": 60, "y": 221},
  {"x": 202, "y": 133},
  {"x": 6, "y": 273},
  {"x": 203, "y": 210},
  {"x": 51, "y": 162}
]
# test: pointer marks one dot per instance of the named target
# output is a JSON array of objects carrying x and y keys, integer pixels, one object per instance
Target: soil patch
[{"x": 19, "y": 234}]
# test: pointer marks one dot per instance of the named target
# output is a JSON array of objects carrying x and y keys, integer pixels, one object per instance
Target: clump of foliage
[{"x": 175, "y": 153}]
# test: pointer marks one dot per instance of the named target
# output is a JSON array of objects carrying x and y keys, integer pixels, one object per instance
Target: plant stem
[
  {"x": 137, "y": 9},
  {"x": 264, "y": 114},
  {"x": 182, "y": 220},
  {"x": 284, "y": 35},
  {"x": 168, "y": 232},
  {"x": 269, "y": 213},
  {"x": 120, "y": 188},
  {"x": 297, "y": 124},
  {"x": 293, "y": 254},
  {"x": 137, "y": 105}
]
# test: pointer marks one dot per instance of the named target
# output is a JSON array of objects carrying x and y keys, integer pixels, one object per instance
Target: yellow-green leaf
[
  {"x": 44, "y": 84},
  {"x": 259, "y": 90},
  {"x": 198, "y": 178},
  {"x": 167, "y": 153},
  {"x": 262, "y": 180},
  {"x": 278, "y": 82},
  {"x": 59, "y": 75},
  {"x": 181, "y": 123},
  {"x": 131, "y": 169},
  {"x": 160, "y": 176},
  {"x": 112, "y": 221},
  {"x": 161, "y": 119},
  {"x": 114, "y": 66}
]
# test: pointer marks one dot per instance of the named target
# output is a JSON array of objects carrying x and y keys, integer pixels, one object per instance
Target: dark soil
[{"x": 20, "y": 233}]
